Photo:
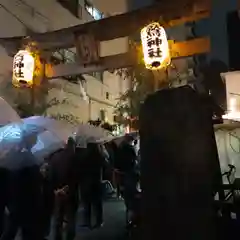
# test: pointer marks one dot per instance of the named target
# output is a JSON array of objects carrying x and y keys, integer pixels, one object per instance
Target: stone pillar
[{"x": 179, "y": 166}]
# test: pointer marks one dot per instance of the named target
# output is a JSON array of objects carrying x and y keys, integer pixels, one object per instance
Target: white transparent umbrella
[
  {"x": 60, "y": 130},
  {"x": 14, "y": 138},
  {"x": 47, "y": 143},
  {"x": 92, "y": 133}
]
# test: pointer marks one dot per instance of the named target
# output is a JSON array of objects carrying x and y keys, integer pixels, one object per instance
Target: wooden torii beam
[
  {"x": 172, "y": 12},
  {"x": 178, "y": 49}
]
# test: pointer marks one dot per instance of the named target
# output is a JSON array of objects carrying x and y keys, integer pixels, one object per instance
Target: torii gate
[{"x": 121, "y": 26}]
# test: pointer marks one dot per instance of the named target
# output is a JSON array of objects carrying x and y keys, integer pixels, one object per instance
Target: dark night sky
[
  {"x": 135, "y": 4},
  {"x": 215, "y": 26}
]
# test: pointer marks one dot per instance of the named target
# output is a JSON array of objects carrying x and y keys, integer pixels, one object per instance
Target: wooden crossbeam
[
  {"x": 178, "y": 50},
  {"x": 189, "y": 48},
  {"x": 171, "y": 12}
]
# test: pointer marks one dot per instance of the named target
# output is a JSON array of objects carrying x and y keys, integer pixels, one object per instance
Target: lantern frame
[
  {"x": 156, "y": 45},
  {"x": 24, "y": 67}
]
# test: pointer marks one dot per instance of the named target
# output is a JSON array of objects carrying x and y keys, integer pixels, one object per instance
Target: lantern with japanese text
[
  {"x": 28, "y": 70},
  {"x": 155, "y": 46},
  {"x": 23, "y": 68}
]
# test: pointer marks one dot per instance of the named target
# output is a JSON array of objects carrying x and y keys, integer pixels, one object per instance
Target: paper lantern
[
  {"x": 23, "y": 69},
  {"x": 155, "y": 46}
]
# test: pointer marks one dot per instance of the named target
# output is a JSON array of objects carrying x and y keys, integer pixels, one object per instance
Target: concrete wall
[
  {"x": 111, "y": 8},
  {"x": 228, "y": 143},
  {"x": 232, "y": 80},
  {"x": 96, "y": 91}
]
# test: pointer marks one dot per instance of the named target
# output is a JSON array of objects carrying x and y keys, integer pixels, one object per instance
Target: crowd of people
[{"x": 33, "y": 196}]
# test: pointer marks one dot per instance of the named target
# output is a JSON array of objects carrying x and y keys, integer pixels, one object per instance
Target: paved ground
[{"x": 114, "y": 223}]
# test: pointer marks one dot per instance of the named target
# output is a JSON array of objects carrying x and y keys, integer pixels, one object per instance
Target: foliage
[
  {"x": 29, "y": 102},
  {"x": 95, "y": 123},
  {"x": 104, "y": 125},
  {"x": 107, "y": 126},
  {"x": 142, "y": 83},
  {"x": 213, "y": 86},
  {"x": 26, "y": 101}
]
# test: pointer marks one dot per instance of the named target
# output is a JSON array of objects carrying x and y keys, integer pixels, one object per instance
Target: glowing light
[
  {"x": 232, "y": 116},
  {"x": 233, "y": 112},
  {"x": 155, "y": 46},
  {"x": 233, "y": 104},
  {"x": 127, "y": 129},
  {"x": 23, "y": 68}
]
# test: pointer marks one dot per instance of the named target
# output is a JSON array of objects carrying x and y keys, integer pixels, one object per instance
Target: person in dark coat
[
  {"x": 47, "y": 199},
  {"x": 4, "y": 174},
  {"x": 91, "y": 184},
  {"x": 24, "y": 196},
  {"x": 127, "y": 164},
  {"x": 112, "y": 148},
  {"x": 126, "y": 155},
  {"x": 64, "y": 178}
]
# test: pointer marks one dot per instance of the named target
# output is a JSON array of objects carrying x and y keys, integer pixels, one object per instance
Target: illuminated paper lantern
[
  {"x": 23, "y": 69},
  {"x": 155, "y": 46}
]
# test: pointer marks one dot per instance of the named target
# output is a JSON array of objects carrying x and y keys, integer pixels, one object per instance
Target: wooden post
[
  {"x": 41, "y": 79},
  {"x": 32, "y": 101},
  {"x": 178, "y": 170},
  {"x": 89, "y": 109},
  {"x": 160, "y": 79},
  {"x": 156, "y": 79}
]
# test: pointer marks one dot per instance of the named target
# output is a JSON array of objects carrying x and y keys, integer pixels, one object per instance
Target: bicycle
[
  {"x": 229, "y": 187},
  {"x": 228, "y": 206}
]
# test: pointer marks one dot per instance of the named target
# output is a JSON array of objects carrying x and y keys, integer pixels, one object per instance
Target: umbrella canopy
[
  {"x": 105, "y": 139},
  {"x": 119, "y": 139},
  {"x": 47, "y": 143},
  {"x": 14, "y": 139},
  {"x": 92, "y": 133},
  {"x": 60, "y": 130},
  {"x": 135, "y": 134},
  {"x": 15, "y": 133},
  {"x": 8, "y": 114}
]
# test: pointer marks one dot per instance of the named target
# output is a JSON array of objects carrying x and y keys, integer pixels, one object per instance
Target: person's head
[
  {"x": 29, "y": 141},
  {"x": 101, "y": 146},
  {"x": 71, "y": 144},
  {"x": 93, "y": 147},
  {"x": 129, "y": 139},
  {"x": 44, "y": 169}
]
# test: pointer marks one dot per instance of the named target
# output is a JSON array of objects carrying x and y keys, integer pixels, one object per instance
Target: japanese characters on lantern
[
  {"x": 23, "y": 68},
  {"x": 155, "y": 46}
]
